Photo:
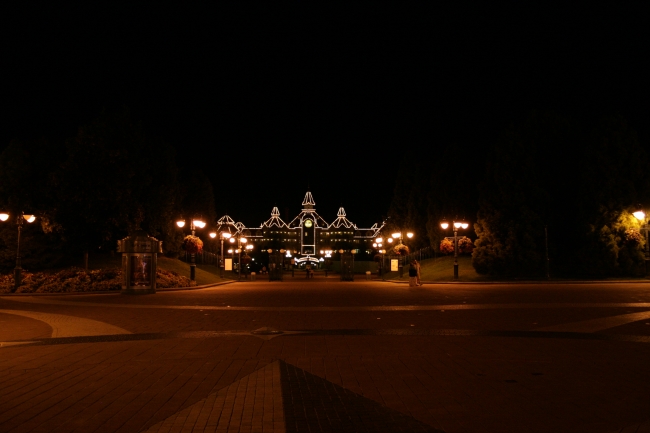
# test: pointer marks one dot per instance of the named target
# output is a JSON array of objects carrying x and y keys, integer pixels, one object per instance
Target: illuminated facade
[{"x": 307, "y": 237}]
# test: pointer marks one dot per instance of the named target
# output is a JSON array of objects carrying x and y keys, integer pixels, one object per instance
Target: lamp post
[
  {"x": 19, "y": 222},
  {"x": 456, "y": 225},
  {"x": 396, "y": 236},
  {"x": 196, "y": 222},
  {"x": 240, "y": 240},
  {"x": 223, "y": 234},
  {"x": 379, "y": 242},
  {"x": 641, "y": 216}
]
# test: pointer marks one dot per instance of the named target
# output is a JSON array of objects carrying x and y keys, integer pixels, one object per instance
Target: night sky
[{"x": 271, "y": 101}]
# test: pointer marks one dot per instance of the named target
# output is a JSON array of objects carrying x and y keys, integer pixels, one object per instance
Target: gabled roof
[
  {"x": 319, "y": 222},
  {"x": 275, "y": 220},
  {"x": 342, "y": 221},
  {"x": 372, "y": 232},
  {"x": 227, "y": 224}
]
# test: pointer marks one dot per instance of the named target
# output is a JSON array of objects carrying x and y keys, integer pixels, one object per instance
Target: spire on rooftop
[{"x": 309, "y": 200}]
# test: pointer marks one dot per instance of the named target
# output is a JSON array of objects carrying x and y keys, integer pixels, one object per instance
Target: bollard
[
  {"x": 368, "y": 275},
  {"x": 252, "y": 276}
]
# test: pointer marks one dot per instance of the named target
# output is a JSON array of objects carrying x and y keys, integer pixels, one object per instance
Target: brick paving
[{"x": 324, "y": 355}]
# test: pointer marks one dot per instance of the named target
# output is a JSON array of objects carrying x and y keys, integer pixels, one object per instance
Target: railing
[
  {"x": 419, "y": 255},
  {"x": 203, "y": 258}
]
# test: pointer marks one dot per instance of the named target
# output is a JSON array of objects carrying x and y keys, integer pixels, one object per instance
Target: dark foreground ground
[{"x": 324, "y": 355}]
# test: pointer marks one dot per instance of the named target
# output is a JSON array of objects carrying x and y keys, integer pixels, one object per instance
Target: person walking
[
  {"x": 418, "y": 282},
  {"x": 413, "y": 274}
]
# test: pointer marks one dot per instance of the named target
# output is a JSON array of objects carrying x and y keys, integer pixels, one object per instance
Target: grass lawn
[
  {"x": 442, "y": 269},
  {"x": 205, "y": 274}
]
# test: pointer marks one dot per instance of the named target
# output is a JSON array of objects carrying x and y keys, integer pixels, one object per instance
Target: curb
[
  {"x": 116, "y": 292},
  {"x": 524, "y": 282}
]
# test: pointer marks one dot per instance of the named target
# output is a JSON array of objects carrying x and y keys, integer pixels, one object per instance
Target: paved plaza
[{"x": 324, "y": 355}]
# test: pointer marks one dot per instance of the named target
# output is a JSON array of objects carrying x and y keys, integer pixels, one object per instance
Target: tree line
[
  {"x": 550, "y": 195},
  {"x": 90, "y": 190}
]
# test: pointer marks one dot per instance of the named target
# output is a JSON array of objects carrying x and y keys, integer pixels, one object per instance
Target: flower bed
[{"x": 80, "y": 280}]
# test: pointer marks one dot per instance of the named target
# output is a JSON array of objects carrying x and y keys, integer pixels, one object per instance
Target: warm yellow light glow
[
  {"x": 464, "y": 225},
  {"x": 390, "y": 240},
  {"x": 244, "y": 240},
  {"x": 341, "y": 251},
  {"x": 640, "y": 215},
  {"x": 396, "y": 235},
  {"x": 457, "y": 224},
  {"x": 374, "y": 245},
  {"x": 180, "y": 223},
  {"x": 379, "y": 240},
  {"x": 198, "y": 223},
  {"x": 229, "y": 251},
  {"x": 409, "y": 235},
  {"x": 444, "y": 225},
  {"x": 249, "y": 247},
  {"x": 232, "y": 240},
  {"x": 4, "y": 216},
  {"x": 269, "y": 251},
  {"x": 213, "y": 235},
  {"x": 29, "y": 218},
  {"x": 226, "y": 235}
]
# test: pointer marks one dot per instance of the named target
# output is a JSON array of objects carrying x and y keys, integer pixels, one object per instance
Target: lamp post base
[
  {"x": 17, "y": 277},
  {"x": 455, "y": 271}
]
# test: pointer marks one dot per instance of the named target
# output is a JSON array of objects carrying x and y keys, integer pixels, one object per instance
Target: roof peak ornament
[{"x": 309, "y": 200}]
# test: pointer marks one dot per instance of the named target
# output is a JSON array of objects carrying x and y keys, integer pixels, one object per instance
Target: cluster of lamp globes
[
  {"x": 457, "y": 225},
  {"x": 379, "y": 242},
  {"x": 29, "y": 218},
  {"x": 196, "y": 222}
]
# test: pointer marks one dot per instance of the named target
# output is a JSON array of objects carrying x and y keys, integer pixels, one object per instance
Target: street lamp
[
  {"x": 240, "y": 240},
  {"x": 641, "y": 216},
  {"x": 196, "y": 222},
  {"x": 19, "y": 222},
  {"x": 456, "y": 225},
  {"x": 223, "y": 233},
  {"x": 399, "y": 236},
  {"x": 379, "y": 242}
]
